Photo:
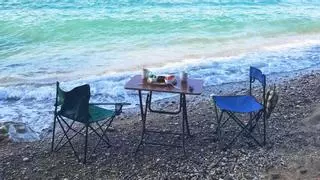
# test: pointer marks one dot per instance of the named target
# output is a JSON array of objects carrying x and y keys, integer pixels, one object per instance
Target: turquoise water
[{"x": 105, "y": 42}]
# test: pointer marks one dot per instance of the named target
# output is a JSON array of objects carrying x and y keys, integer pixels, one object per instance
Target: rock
[
  {"x": 111, "y": 129},
  {"x": 4, "y": 137},
  {"x": 20, "y": 132},
  {"x": 318, "y": 90},
  {"x": 20, "y": 128},
  {"x": 303, "y": 171},
  {"x": 25, "y": 159},
  {"x": 275, "y": 175},
  {"x": 229, "y": 177},
  {"x": 3, "y": 129}
]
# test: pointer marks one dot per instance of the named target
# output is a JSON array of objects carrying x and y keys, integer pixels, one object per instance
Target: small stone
[
  {"x": 3, "y": 130},
  {"x": 20, "y": 128},
  {"x": 318, "y": 90},
  {"x": 303, "y": 171},
  {"x": 3, "y": 137},
  {"x": 25, "y": 159},
  {"x": 275, "y": 176},
  {"x": 228, "y": 177},
  {"x": 111, "y": 129}
]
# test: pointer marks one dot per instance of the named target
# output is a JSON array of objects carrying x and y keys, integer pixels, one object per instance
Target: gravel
[{"x": 293, "y": 145}]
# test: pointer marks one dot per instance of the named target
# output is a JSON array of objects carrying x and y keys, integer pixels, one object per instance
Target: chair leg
[
  {"x": 68, "y": 140},
  {"x": 101, "y": 137},
  {"x": 104, "y": 133},
  {"x": 264, "y": 128},
  {"x": 85, "y": 145},
  {"x": 219, "y": 119},
  {"x": 245, "y": 128},
  {"x": 53, "y": 132},
  {"x": 250, "y": 125},
  {"x": 57, "y": 148}
]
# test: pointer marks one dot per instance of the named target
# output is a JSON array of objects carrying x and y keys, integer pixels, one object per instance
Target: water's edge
[{"x": 276, "y": 79}]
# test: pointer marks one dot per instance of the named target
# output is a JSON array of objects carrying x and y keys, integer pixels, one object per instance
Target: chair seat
[
  {"x": 240, "y": 104},
  {"x": 98, "y": 114}
]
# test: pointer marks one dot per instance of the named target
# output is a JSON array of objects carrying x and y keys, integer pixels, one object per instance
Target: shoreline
[
  {"x": 19, "y": 102},
  {"x": 225, "y": 88},
  {"x": 291, "y": 143},
  {"x": 229, "y": 88}
]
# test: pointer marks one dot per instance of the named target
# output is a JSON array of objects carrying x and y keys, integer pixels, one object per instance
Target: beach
[
  {"x": 292, "y": 150},
  {"x": 104, "y": 43}
]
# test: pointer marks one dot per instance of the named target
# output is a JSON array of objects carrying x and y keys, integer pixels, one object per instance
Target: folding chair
[
  {"x": 243, "y": 104},
  {"x": 73, "y": 106}
]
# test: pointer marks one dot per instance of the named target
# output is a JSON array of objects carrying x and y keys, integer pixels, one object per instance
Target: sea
[{"x": 105, "y": 42}]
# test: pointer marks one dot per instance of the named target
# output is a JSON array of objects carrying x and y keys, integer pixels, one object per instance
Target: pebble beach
[{"x": 292, "y": 150}]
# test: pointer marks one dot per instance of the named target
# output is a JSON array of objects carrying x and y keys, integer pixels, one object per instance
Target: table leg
[
  {"x": 185, "y": 114},
  {"x": 183, "y": 135},
  {"x": 185, "y": 124},
  {"x": 143, "y": 119}
]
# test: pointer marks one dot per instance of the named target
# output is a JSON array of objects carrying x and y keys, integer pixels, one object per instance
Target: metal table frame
[
  {"x": 183, "y": 88},
  {"x": 185, "y": 125}
]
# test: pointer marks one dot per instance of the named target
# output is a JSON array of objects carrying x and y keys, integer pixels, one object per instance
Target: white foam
[{"x": 33, "y": 103}]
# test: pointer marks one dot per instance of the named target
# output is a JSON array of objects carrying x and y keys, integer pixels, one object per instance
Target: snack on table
[
  {"x": 170, "y": 79},
  {"x": 161, "y": 79}
]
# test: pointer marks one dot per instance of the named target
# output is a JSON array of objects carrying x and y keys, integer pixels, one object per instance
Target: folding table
[{"x": 190, "y": 87}]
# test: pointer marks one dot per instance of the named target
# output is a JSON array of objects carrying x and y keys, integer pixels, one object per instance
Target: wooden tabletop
[{"x": 191, "y": 86}]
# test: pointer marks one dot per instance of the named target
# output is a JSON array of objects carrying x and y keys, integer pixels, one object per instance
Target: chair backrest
[
  {"x": 256, "y": 74},
  {"x": 74, "y": 103},
  {"x": 60, "y": 94}
]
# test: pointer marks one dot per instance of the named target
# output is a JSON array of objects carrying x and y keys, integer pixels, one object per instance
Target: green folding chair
[{"x": 73, "y": 106}]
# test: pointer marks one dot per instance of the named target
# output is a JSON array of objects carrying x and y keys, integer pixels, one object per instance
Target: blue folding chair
[{"x": 243, "y": 104}]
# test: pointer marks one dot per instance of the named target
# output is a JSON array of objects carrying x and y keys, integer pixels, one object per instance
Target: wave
[
  {"x": 78, "y": 4},
  {"x": 103, "y": 43},
  {"x": 213, "y": 70},
  {"x": 33, "y": 103}
]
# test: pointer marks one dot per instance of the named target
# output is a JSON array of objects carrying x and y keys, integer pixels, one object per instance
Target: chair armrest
[
  {"x": 117, "y": 106},
  {"x": 122, "y": 103}
]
